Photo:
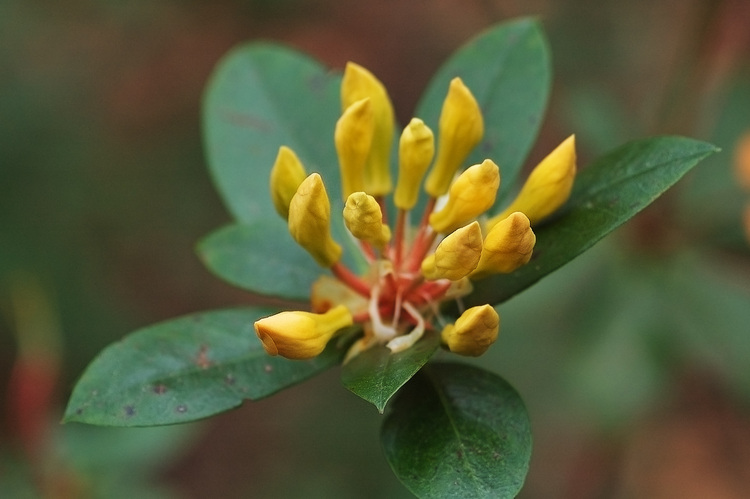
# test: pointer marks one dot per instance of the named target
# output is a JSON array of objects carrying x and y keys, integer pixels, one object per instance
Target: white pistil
[
  {"x": 406, "y": 341},
  {"x": 381, "y": 331}
]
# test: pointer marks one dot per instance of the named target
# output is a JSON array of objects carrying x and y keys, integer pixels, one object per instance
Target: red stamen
[
  {"x": 398, "y": 240},
  {"x": 348, "y": 277}
]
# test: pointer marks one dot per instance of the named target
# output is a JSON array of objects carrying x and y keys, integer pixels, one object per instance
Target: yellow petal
[
  {"x": 364, "y": 219},
  {"x": 301, "y": 335},
  {"x": 456, "y": 255},
  {"x": 415, "y": 151},
  {"x": 471, "y": 194},
  {"x": 287, "y": 174},
  {"x": 461, "y": 128},
  {"x": 508, "y": 245},
  {"x": 310, "y": 221},
  {"x": 473, "y": 332},
  {"x": 353, "y": 139},
  {"x": 327, "y": 292},
  {"x": 548, "y": 186},
  {"x": 359, "y": 83}
]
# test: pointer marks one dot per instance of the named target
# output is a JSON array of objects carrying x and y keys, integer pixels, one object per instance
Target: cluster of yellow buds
[{"x": 412, "y": 270}]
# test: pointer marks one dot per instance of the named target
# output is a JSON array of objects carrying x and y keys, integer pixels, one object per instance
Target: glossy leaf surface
[
  {"x": 458, "y": 431},
  {"x": 605, "y": 195},
  {"x": 186, "y": 369},
  {"x": 376, "y": 374}
]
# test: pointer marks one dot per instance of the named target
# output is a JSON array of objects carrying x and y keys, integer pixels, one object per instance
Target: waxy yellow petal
[
  {"x": 353, "y": 138},
  {"x": 473, "y": 332},
  {"x": 287, "y": 174},
  {"x": 358, "y": 83},
  {"x": 415, "y": 151},
  {"x": 471, "y": 194},
  {"x": 508, "y": 245},
  {"x": 364, "y": 219},
  {"x": 456, "y": 256},
  {"x": 310, "y": 221},
  {"x": 301, "y": 335},
  {"x": 548, "y": 185},
  {"x": 460, "y": 129}
]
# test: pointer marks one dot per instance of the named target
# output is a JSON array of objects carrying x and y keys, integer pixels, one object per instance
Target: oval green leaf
[
  {"x": 186, "y": 369},
  {"x": 260, "y": 257},
  {"x": 606, "y": 194},
  {"x": 376, "y": 374},
  {"x": 262, "y": 96},
  {"x": 458, "y": 431},
  {"x": 507, "y": 68}
]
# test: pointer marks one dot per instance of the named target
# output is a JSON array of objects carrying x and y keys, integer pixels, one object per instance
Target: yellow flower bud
[
  {"x": 301, "y": 335},
  {"x": 310, "y": 221},
  {"x": 358, "y": 83},
  {"x": 461, "y": 128},
  {"x": 364, "y": 219},
  {"x": 508, "y": 245},
  {"x": 471, "y": 194},
  {"x": 473, "y": 332},
  {"x": 286, "y": 176},
  {"x": 548, "y": 186},
  {"x": 415, "y": 151},
  {"x": 353, "y": 139},
  {"x": 456, "y": 255}
]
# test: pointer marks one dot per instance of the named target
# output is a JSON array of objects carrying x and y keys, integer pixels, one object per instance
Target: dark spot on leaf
[
  {"x": 182, "y": 408},
  {"x": 79, "y": 411},
  {"x": 246, "y": 121},
  {"x": 268, "y": 368},
  {"x": 160, "y": 389},
  {"x": 129, "y": 411},
  {"x": 202, "y": 359},
  {"x": 459, "y": 454},
  {"x": 229, "y": 379}
]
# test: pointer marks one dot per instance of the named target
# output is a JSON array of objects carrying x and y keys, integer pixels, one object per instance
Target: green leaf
[
  {"x": 376, "y": 374},
  {"x": 458, "y": 431},
  {"x": 262, "y": 96},
  {"x": 186, "y": 369},
  {"x": 507, "y": 68},
  {"x": 261, "y": 257},
  {"x": 605, "y": 195}
]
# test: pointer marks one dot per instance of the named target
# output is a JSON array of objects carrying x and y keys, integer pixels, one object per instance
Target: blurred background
[{"x": 634, "y": 360}]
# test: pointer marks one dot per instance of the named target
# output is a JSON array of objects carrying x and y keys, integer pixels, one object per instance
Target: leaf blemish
[
  {"x": 129, "y": 411},
  {"x": 182, "y": 408},
  {"x": 246, "y": 121},
  {"x": 268, "y": 368},
  {"x": 160, "y": 389},
  {"x": 202, "y": 359},
  {"x": 229, "y": 379}
]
